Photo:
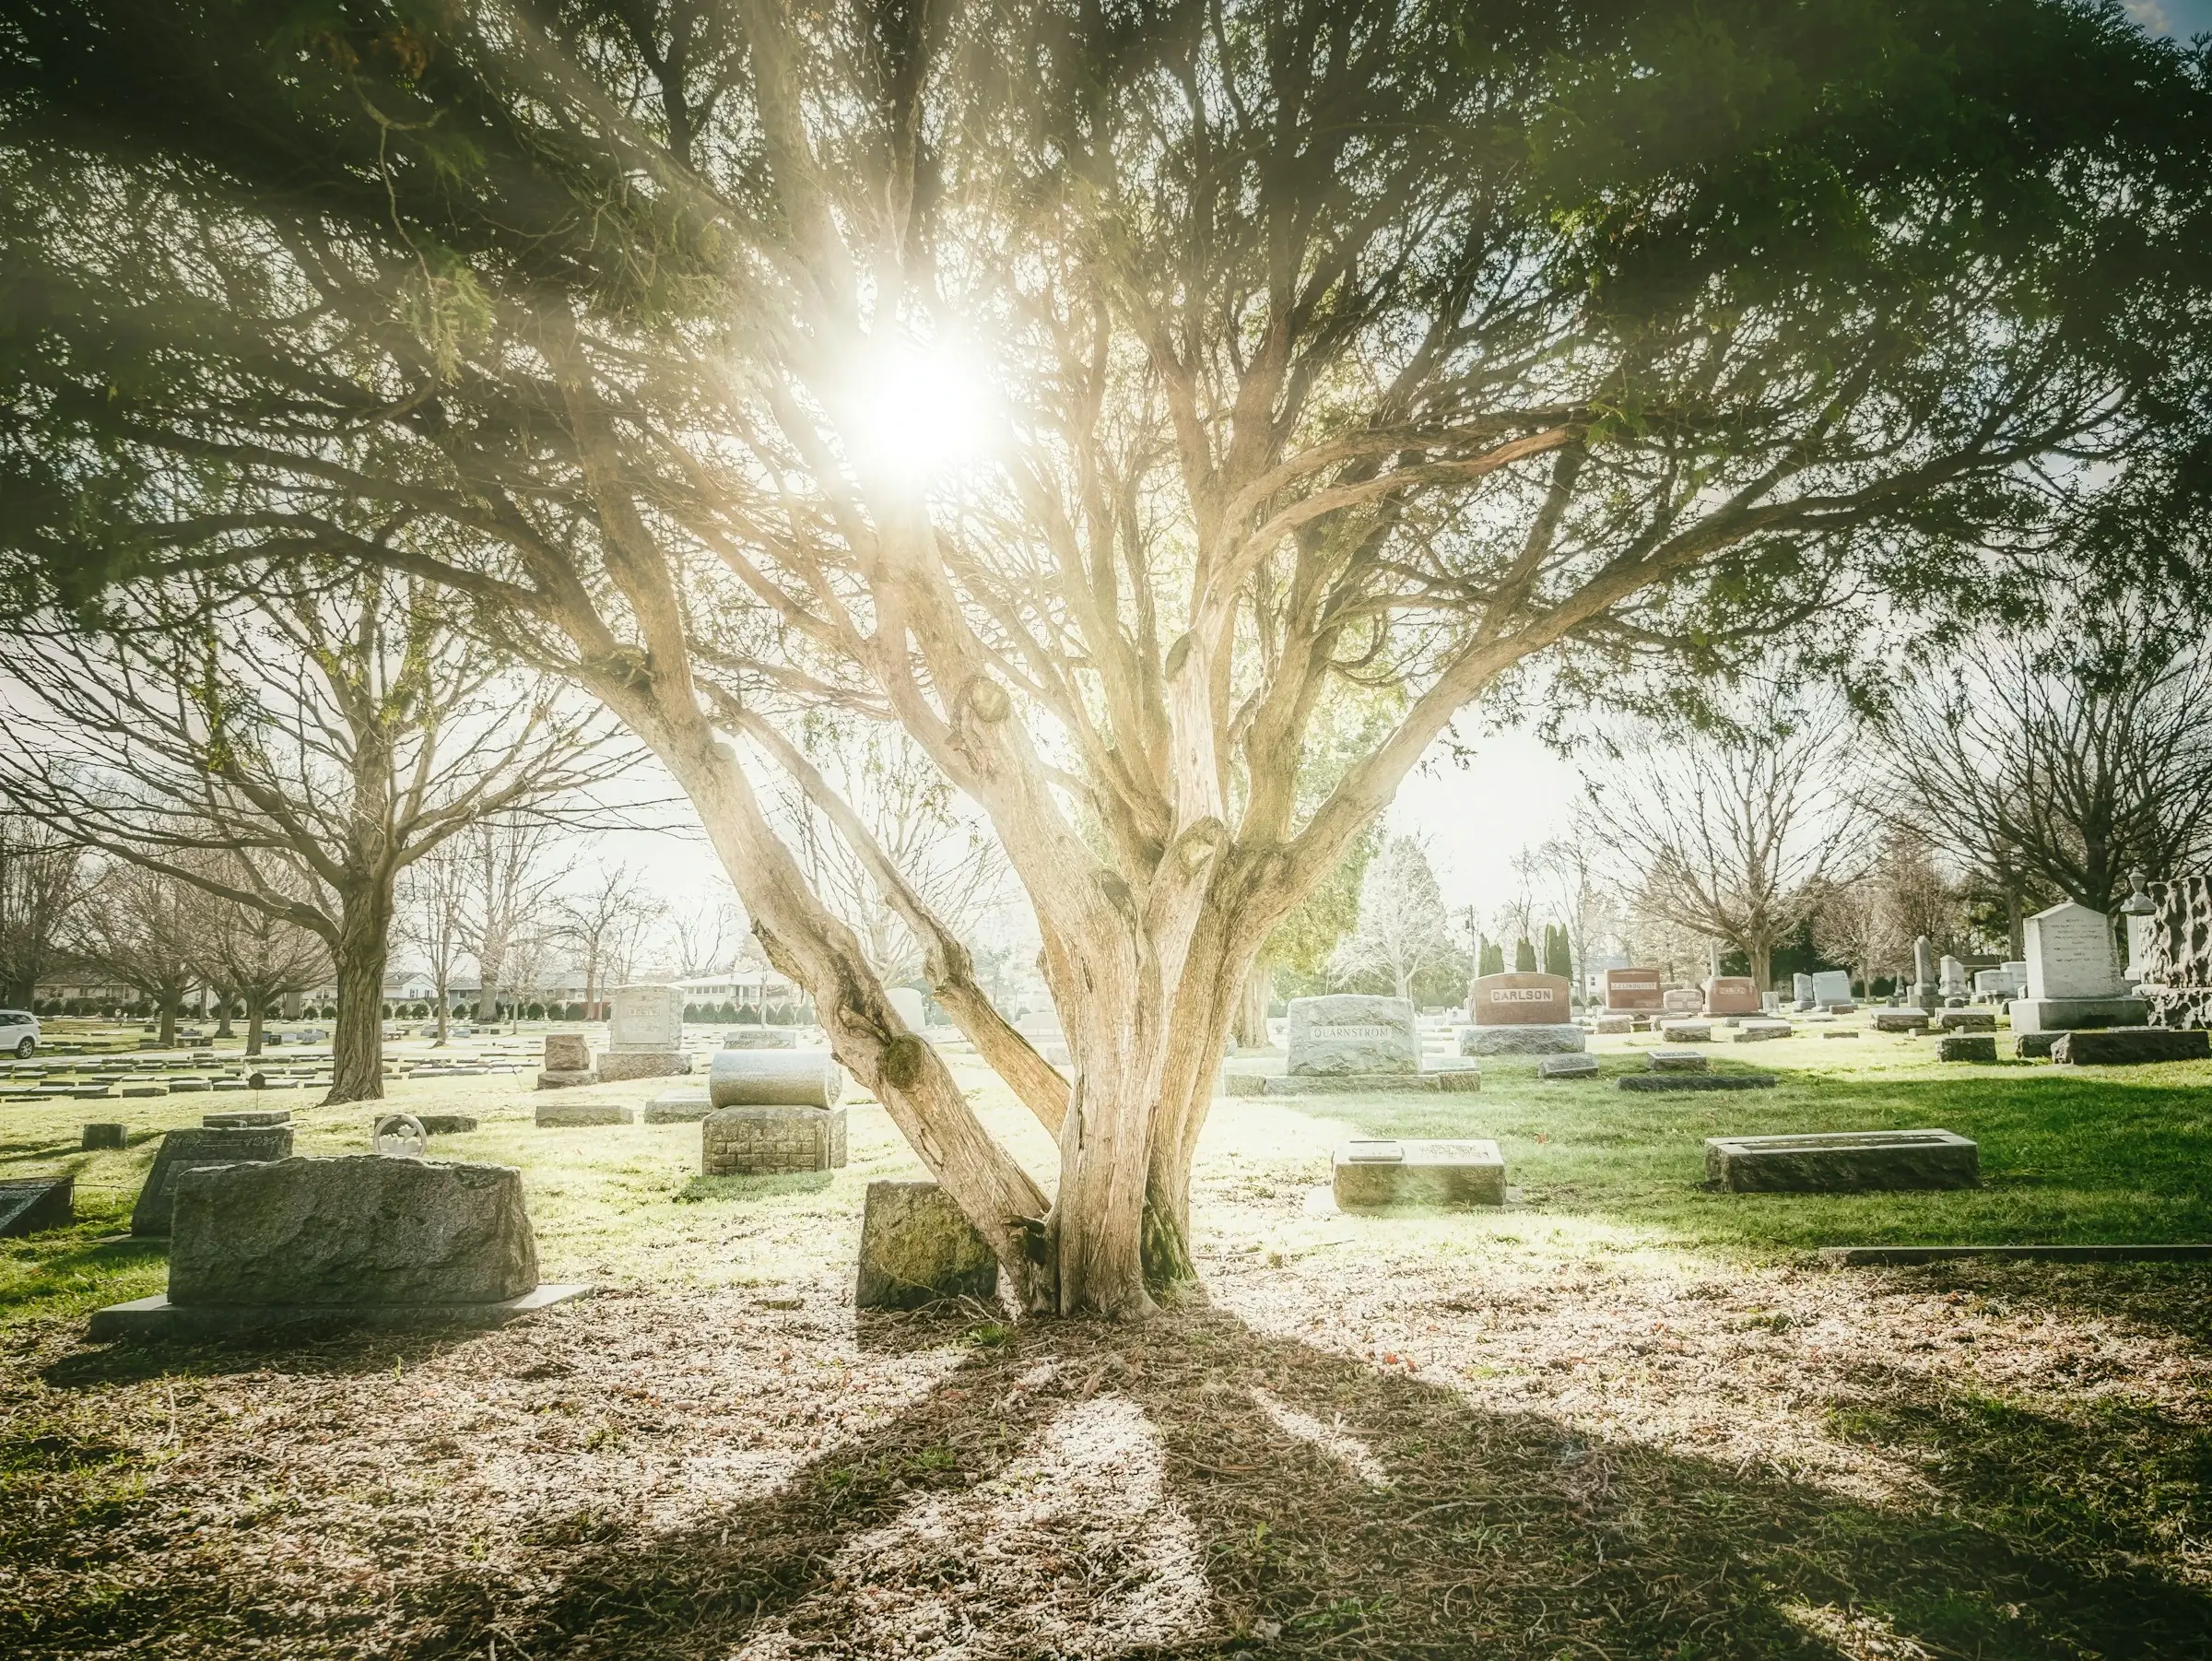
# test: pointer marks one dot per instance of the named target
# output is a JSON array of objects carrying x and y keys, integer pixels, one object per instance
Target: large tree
[
  {"x": 43, "y": 879},
  {"x": 1098, "y": 393}
]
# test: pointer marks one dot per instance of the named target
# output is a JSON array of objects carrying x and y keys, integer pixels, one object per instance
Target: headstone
[
  {"x": 1952, "y": 977},
  {"x": 103, "y": 1136},
  {"x": 1801, "y": 986},
  {"x": 912, "y": 1011},
  {"x": 1682, "y": 1000},
  {"x": 761, "y": 1038},
  {"x": 1678, "y": 1061},
  {"x": 762, "y": 1141},
  {"x": 916, "y": 1248},
  {"x": 1441, "y": 1080},
  {"x": 1351, "y": 1033},
  {"x": 1632, "y": 991},
  {"x": 567, "y": 1053},
  {"x": 1967, "y": 1046},
  {"x": 1686, "y": 1031},
  {"x": 1832, "y": 987},
  {"x": 1610, "y": 1024},
  {"x": 2133, "y": 1046},
  {"x": 1732, "y": 995},
  {"x": 399, "y": 1136},
  {"x": 446, "y": 1124},
  {"x": 1925, "y": 993},
  {"x": 684, "y": 1106},
  {"x": 1519, "y": 1000},
  {"x": 1842, "y": 1161},
  {"x": 1964, "y": 1020},
  {"x": 183, "y": 1151},
  {"x": 646, "y": 1019},
  {"x": 1900, "y": 1021},
  {"x": 775, "y": 1078},
  {"x": 33, "y": 1205},
  {"x": 2175, "y": 959},
  {"x": 2035, "y": 1046},
  {"x": 246, "y": 1118},
  {"x": 1567, "y": 1066},
  {"x": 2000, "y": 984},
  {"x": 358, "y": 1230},
  {"x": 2072, "y": 979},
  {"x": 1759, "y": 1032},
  {"x": 1371, "y": 1174}
]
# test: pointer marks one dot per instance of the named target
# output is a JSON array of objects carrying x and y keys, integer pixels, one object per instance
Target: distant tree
[
  {"x": 1525, "y": 956},
  {"x": 1400, "y": 933},
  {"x": 1570, "y": 867},
  {"x": 2056, "y": 764},
  {"x": 258, "y": 956},
  {"x": 143, "y": 928},
  {"x": 1492, "y": 958},
  {"x": 1557, "y": 959},
  {"x": 1734, "y": 834},
  {"x": 432, "y": 910},
  {"x": 599, "y": 922},
  {"x": 320, "y": 732},
  {"x": 44, "y": 877},
  {"x": 514, "y": 863}
]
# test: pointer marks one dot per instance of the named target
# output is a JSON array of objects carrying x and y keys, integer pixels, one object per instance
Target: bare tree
[
  {"x": 709, "y": 934},
  {"x": 1402, "y": 931},
  {"x": 1736, "y": 834},
  {"x": 513, "y": 863},
  {"x": 320, "y": 733},
  {"x": 599, "y": 924},
  {"x": 1570, "y": 869},
  {"x": 254, "y": 954},
  {"x": 44, "y": 877},
  {"x": 2057, "y": 765},
  {"x": 432, "y": 901},
  {"x": 143, "y": 928}
]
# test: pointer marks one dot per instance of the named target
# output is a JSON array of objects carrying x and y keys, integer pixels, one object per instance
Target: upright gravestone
[
  {"x": 1632, "y": 991},
  {"x": 1925, "y": 993},
  {"x": 1732, "y": 995},
  {"x": 1952, "y": 981},
  {"x": 568, "y": 1061},
  {"x": 1351, "y": 1033},
  {"x": 2072, "y": 978},
  {"x": 1519, "y": 1015},
  {"x": 909, "y": 1003},
  {"x": 183, "y": 1151},
  {"x": 2176, "y": 955},
  {"x": 1801, "y": 987},
  {"x": 645, "y": 1036},
  {"x": 916, "y": 1248},
  {"x": 1831, "y": 987}
]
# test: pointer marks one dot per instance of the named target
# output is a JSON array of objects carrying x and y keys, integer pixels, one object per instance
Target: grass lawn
[{"x": 1623, "y": 1417}]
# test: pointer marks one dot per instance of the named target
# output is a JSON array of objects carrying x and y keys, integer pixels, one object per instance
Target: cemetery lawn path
[{"x": 1623, "y": 1418}]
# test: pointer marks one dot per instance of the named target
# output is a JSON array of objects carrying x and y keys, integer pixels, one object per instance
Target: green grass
[{"x": 2073, "y": 1155}]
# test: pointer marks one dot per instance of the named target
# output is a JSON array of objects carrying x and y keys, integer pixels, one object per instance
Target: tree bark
[
  {"x": 1251, "y": 1012},
  {"x": 222, "y": 1013},
  {"x": 255, "y": 1004},
  {"x": 168, "y": 1003},
  {"x": 357, "y": 1051}
]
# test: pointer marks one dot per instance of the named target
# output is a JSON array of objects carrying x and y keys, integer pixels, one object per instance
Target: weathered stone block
[
  {"x": 2071, "y": 1014},
  {"x": 618, "y": 1065},
  {"x": 678, "y": 1107},
  {"x": 1842, "y": 1161},
  {"x": 1967, "y": 1046},
  {"x": 564, "y": 1079},
  {"x": 916, "y": 1248},
  {"x": 1567, "y": 1066},
  {"x": 2133, "y": 1046},
  {"x": 1611, "y": 1023},
  {"x": 1758, "y": 1031},
  {"x": 1680, "y": 1061},
  {"x": 568, "y": 1115},
  {"x": 1565, "y": 1038},
  {"x": 356, "y": 1229},
  {"x": 1686, "y": 1031},
  {"x": 1353, "y": 1033},
  {"x": 764, "y": 1141},
  {"x": 103, "y": 1136},
  {"x": 2035, "y": 1046},
  {"x": 2171, "y": 1006},
  {"x": 1242, "y": 1084},
  {"x": 1370, "y": 1175},
  {"x": 31, "y": 1206},
  {"x": 1697, "y": 1081},
  {"x": 1900, "y": 1021},
  {"x": 1840, "y": 1032},
  {"x": 184, "y": 1150},
  {"x": 568, "y": 1052},
  {"x": 446, "y": 1124},
  {"x": 775, "y": 1078}
]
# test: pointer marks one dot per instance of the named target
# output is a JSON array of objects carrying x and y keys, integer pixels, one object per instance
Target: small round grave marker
[{"x": 400, "y": 1137}]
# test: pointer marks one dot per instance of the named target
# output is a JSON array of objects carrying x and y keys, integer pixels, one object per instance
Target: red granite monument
[
  {"x": 1632, "y": 991},
  {"x": 1732, "y": 995},
  {"x": 1519, "y": 1000}
]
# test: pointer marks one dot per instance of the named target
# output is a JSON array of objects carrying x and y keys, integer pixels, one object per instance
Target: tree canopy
[{"x": 1101, "y": 392}]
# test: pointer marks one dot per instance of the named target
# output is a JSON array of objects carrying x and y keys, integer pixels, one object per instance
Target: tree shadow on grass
[
  {"x": 1242, "y": 1490},
  {"x": 715, "y": 1188}
]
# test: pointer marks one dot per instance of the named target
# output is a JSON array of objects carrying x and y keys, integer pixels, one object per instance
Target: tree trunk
[
  {"x": 2015, "y": 922},
  {"x": 491, "y": 961},
  {"x": 167, "y": 1002},
  {"x": 357, "y": 1049},
  {"x": 222, "y": 1014},
  {"x": 255, "y": 1004},
  {"x": 445, "y": 1001},
  {"x": 1252, "y": 1010},
  {"x": 1761, "y": 954}
]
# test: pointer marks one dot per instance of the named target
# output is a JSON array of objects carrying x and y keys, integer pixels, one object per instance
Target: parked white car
[{"x": 19, "y": 1033}]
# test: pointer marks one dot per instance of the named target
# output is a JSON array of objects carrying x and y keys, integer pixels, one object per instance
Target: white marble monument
[{"x": 2072, "y": 978}]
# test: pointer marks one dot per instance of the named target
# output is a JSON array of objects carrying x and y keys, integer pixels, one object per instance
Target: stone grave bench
[
  {"x": 1373, "y": 1173},
  {"x": 1967, "y": 1046},
  {"x": 682, "y": 1106},
  {"x": 1841, "y": 1161}
]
